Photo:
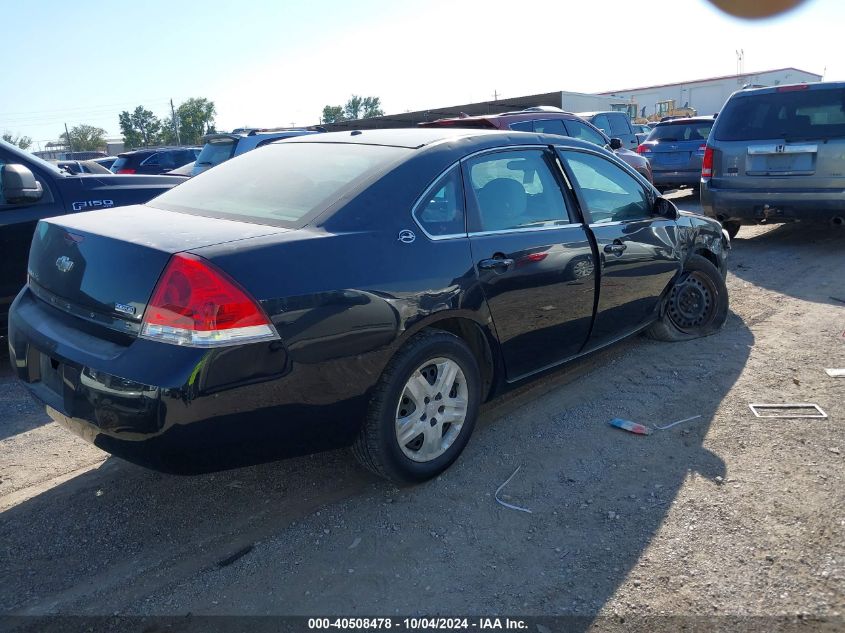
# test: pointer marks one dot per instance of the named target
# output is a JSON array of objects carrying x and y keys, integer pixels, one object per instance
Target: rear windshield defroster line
[{"x": 284, "y": 184}]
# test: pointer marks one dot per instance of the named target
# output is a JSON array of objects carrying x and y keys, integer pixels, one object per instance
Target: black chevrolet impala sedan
[{"x": 366, "y": 289}]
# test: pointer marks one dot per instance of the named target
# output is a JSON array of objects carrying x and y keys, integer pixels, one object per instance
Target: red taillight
[
  {"x": 198, "y": 305},
  {"x": 125, "y": 170},
  {"x": 707, "y": 163},
  {"x": 643, "y": 149}
]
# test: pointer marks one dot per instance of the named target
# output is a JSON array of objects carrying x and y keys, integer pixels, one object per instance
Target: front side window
[
  {"x": 601, "y": 122},
  {"x": 619, "y": 124},
  {"x": 516, "y": 190},
  {"x": 608, "y": 192},
  {"x": 441, "y": 211},
  {"x": 584, "y": 132}
]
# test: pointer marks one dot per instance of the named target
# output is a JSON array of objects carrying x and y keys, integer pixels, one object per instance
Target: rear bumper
[
  {"x": 667, "y": 177},
  {"x": 173, "y": 408},
  {"x": 751, "y": 206}
]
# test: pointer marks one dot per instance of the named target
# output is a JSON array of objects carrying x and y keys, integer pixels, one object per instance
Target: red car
[{"x": 550, "y": 120}]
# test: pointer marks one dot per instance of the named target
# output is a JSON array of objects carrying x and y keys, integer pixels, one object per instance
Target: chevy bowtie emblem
[{"x": 64, "y": 263}]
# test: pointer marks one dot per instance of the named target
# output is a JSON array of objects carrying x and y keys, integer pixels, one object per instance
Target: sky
[{"x": 267, "y": 63}]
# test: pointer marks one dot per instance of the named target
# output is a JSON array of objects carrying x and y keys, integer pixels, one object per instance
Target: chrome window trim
[
  {"x": 415, "y": 207},
  {"x": 527, "y": 229}
]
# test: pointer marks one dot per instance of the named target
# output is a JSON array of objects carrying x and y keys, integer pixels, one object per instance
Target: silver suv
[{"x": 777, "y": 155}]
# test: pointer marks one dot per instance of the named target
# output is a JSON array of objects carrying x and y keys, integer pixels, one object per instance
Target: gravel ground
[{"x": 726, "y": 514}]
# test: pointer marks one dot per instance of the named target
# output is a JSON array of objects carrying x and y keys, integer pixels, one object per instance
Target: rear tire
[
  {"x": 696, "y": 306},
  {"x": 732, "y": 227},
  {"x": 433, "y": 375}
]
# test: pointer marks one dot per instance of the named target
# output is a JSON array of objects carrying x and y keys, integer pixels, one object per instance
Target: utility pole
[
  {"x": 495, "y": 95},
  {"x": 67, "y": 136},
  {"x": 175, "y": 124}
]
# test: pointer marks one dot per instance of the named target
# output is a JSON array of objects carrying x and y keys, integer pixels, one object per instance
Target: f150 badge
[{"x": 92, "y": 204}]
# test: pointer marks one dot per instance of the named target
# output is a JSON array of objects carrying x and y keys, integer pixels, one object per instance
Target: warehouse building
[{"x": 706, "y": 96}]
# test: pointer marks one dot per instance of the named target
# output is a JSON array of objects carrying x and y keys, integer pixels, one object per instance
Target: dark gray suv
[{"x": 777, "y": 155}]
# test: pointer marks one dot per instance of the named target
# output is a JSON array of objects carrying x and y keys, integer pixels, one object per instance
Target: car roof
[
  {"x": 589, "y": 114},
  {"x": 417, "y": 138},
  {"x": 817, "y": 85},
  {"x": 153, "y": 150},
  {"x": 688, "y": 119}
]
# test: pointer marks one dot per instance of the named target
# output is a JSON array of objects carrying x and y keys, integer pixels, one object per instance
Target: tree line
[
  {"x": 193, "y": 119},
  {"x": 355, "y": 108}
]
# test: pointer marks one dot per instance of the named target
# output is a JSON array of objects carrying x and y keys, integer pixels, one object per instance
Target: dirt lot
[{"x": 727, "y": 514}]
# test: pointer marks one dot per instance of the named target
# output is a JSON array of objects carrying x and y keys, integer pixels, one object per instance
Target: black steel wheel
[{"x": 696, "y": 306}]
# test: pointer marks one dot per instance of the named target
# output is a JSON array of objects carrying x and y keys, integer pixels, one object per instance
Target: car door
[
  {"x": 637, "y": 249},
  {"x": 532, "y": 255},
  {"x": 17, "y": 223}
]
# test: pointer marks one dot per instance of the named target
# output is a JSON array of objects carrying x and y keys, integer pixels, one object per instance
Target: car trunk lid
[{"x": 103, "y": 265}]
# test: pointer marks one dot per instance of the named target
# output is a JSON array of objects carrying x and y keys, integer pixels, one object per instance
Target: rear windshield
[
  {"x": 794, "y": 114},
  {"x": 119, "y": 164},
  {"x": 284, "y": 184},
  {"x": 669, "y": 132},
  {"x": 216, "y": 151}
]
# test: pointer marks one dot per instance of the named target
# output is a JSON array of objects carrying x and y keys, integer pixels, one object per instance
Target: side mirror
[
  {"x": 665, "y": 208},
  {"x": 616, "y": 143},
  {"x": 18, "y": 185}
]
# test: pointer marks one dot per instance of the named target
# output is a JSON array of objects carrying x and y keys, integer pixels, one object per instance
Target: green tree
[
  {"x": 352, "y": 109},
  {"x": 24, "y": 142},
  {"x": 85, "y": 138},
  {"x": 356, "y": 107},
  {"x": 141, "y": 128},
  {"x": 371, "y": 107},
  {"x": 196, "y": 118},
  {"x": 332, "y": 114}
]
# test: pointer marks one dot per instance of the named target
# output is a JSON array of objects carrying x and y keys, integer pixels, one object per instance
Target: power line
[{"x": 101, "y": 105}]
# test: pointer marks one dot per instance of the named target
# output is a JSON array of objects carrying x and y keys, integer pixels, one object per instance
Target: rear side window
[
  {"x": 515, "y": 190},
  {"x": 523, "y": 126},
  {"x": 441, "y": 211},
  {"x": 619, "y": 124},
  {"x": 283, "y": 184},
  {"x": 794, "y": 114},
  {"x": 681, "y": 132},
  {"x": 550, "y": 126}
]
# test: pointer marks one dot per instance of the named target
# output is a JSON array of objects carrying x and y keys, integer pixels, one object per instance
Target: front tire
[
  {"x": 423, "y": 409},
  {"x": 696, "y": 306}
]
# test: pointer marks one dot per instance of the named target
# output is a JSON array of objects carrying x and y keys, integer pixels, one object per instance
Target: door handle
[
  {"x": 496, "y": 262},
  {"x": 617, "y": 247}
]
